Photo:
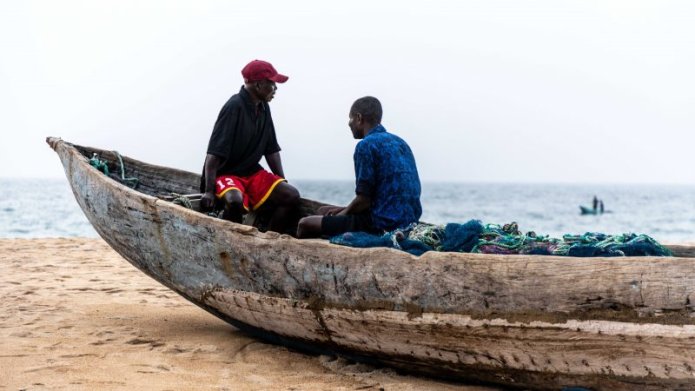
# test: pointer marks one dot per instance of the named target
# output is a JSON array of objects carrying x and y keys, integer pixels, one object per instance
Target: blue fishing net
[{"x": 476, "y": 237}]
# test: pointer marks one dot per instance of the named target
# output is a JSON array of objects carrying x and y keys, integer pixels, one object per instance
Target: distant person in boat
[
  {"x": 595, "y": 203},
  {"x": 243, "y": 134},
  {"x": 600, "y": 206},
  {"x": 387, "y": 193}
]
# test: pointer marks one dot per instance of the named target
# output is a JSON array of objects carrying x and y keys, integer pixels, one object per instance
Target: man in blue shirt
[{"x": 387, "y": 183}]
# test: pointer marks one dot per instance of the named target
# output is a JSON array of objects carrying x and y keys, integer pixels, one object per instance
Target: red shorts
[{"x": 256, "y": 187}]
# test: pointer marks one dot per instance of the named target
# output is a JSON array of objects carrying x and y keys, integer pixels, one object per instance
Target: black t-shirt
[{"x": 242, "y": 135}]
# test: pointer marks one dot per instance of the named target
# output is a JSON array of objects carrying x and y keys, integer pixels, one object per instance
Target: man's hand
[{"x": 207, "y": 201}]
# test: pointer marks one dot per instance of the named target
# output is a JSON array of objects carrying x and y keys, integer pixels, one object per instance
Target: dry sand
[{"x": 75, "y": 315}]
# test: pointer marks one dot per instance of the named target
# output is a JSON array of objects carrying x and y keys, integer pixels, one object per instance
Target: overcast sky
[{"x": 492, "y": 91}]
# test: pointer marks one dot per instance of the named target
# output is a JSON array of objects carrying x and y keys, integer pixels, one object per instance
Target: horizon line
[{"x": 439, "y": 181}]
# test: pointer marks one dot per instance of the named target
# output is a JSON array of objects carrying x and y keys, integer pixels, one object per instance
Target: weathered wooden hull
[{"x": 524, "y": 321}]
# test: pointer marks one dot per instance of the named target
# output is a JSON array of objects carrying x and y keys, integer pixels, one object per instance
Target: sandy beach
[{"x": 75, "y": 315}]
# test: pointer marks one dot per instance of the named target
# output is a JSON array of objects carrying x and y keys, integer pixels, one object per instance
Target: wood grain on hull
[{"x": 497, "y": 350}]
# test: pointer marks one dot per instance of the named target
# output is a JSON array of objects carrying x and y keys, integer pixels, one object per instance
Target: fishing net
[{"x": 476, "y": 237}]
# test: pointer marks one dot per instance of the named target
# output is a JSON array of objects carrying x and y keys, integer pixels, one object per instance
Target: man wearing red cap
[{"x": 243, "y": 134}]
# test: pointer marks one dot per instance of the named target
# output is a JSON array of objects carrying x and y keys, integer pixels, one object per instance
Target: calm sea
[{"x": 46, "y": 208}]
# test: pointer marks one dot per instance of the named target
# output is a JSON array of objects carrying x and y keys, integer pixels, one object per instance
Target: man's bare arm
[
  {"x": 359, "y": 204},
  {"x": 275, "y": 163},
  {"x": 212, "y": 163}
]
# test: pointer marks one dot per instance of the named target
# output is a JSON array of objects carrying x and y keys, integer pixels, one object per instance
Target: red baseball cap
[{"x": 260, "y": 70}]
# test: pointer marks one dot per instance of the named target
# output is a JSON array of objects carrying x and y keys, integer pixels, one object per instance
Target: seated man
[
  {"x": 388, "y": 186},
  {"x": 243, "y": 134}
]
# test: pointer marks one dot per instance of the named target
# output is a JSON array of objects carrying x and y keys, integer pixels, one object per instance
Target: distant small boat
[
  {"x": 522, "y": 321},
  {"x": 588, "y": 211},
  {"x": 591, "y": 211}
]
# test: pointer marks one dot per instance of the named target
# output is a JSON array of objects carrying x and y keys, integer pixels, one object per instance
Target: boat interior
[
  {"x": 183, "y": 188},
  {"x": 177, "y": 186}
]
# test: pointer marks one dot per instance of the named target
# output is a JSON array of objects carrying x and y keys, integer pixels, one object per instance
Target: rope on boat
[
  {"x": 180, "y": 199},
  {"x": 102, "y": 165},
  {"x": 130, "y": 180},
  {"x": 99, "y": 164},
  {"x": 476, "y": 237}
]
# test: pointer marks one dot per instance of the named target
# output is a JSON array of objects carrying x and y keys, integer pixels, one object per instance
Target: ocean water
[{"x": 34, "y": 208}]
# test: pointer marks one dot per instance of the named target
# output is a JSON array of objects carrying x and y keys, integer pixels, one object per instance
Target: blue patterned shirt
[{"x": 385, "y": 172}]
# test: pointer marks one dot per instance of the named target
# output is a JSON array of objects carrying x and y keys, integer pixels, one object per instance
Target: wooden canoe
[
  {"x": 587, "y": 211},
  {"x": 539, "y": 322},
  {"x": 583, "y": 210}
]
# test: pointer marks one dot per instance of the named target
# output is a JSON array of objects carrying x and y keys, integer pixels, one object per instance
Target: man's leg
[
  {"x": 233, "y": 206},
  {"x": 327, "y": 226},
  {"x": 309, "y": 227},
  {"x": 284, "y": 199}
]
